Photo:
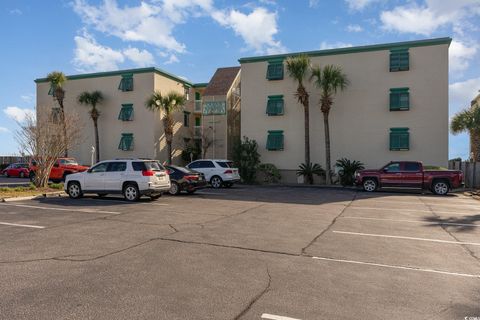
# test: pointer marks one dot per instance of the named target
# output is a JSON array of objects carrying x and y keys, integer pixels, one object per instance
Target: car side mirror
[
  {"x": 56, "y": 165},
  {"x": 89, "y": 171},
  {"x": 385, "y": 169}
]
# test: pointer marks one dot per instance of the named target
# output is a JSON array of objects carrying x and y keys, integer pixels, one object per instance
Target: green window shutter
[
  {"x": 275, "y": 140},
  {"x": 126, "y": 112},
  {"x": 126, "y": 84},
  {"x": 198, "y": 121},
  {"x": 126, "y": 142},
  {"x": 399, "y": 139},
  {"x": 275, "y": 105},
  {"x": 198, "y": 96},
  {"x": 275, "y": 70},
  {"x": 399, "y": 60},
  {"x": 399, "y": 99}
]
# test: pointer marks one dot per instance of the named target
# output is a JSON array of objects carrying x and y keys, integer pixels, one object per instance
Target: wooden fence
[{"x": 471, "y": 172}]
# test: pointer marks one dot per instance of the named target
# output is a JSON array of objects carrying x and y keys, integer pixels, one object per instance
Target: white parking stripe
[
  {"x": 275, "y": 317},
  {"x": 21, "y": 225},
  {"x": 417, "y": 221},
  {"x": 405, "y": 238},
  {"x": 58, "y": 209},
  {"x": 400, "y": 267},
  {"x": 412, "y": 210}
]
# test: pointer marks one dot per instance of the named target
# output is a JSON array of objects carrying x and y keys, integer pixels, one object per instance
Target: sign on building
[{"x": 214, "y": 107}]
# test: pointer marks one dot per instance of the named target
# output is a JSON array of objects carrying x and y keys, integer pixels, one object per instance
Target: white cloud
[
  {"x": 257, "y": 28},
  {"x": 426, "y": 19},
  {"x": 462, "y": 92},
  {"x": 179, "y": 10},
  {"x": 173, "y": 59},
  {"x": 141, "y": 58},
  {"x": 18, "y": 114},
  {"x": 92, "y": 57},
  {"x": 354, "y": 28},
  {"x": 28, "y": 98},
  {"x": 313, "y": 3},
  {"x": 4, "y": 130},
  {"x": 16, "y": 11},
  {"x": 333, "y": 45},
  {"x": 358, "y": 4},
  {"x": 460, "y": 55}
]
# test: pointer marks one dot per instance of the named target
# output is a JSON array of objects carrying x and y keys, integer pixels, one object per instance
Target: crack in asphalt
[
  {"x": 256, "y": 298},
  {"x": 464, "y": 246},
  {"x": 304, "y": 249},
  {"x": 202, "y": 224}
]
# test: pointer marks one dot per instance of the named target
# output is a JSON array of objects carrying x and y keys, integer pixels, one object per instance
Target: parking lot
[{"x": 243, "y": 253}]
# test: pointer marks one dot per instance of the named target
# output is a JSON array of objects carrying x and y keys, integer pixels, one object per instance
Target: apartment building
[
  {"x": 126, "y": 127},
  {"x": 395, "y": 108}
]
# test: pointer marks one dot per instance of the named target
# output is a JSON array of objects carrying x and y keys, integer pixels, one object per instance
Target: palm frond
[
  {"x": 298, "y": 67},
  {"x": 463, "y": 121},
  {"x": 56, "y": 78}
]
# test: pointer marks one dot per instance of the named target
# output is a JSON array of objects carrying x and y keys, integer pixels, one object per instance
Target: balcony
[{"x": 198, "y": 106}]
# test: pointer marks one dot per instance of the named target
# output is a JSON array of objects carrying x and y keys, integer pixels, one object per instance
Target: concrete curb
[
  {"x": 302, "y": 186},
  {"x": 39, "y": 196}
]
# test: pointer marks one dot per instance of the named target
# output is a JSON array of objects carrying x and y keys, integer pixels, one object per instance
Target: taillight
[
  {"x": 167, "y": 172},
  {"x": 191, "y": 178},
  {"x": 148, "y": 173},
  {"x": 228, "y": 172}
]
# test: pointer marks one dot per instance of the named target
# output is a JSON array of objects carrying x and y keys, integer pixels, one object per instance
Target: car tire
[
  {"x": 216, "y": 182},
  {"x": 174, "y": 189},
  {"x": 131, "y": 192},
  {"x": 370, "y": 185},
  {"x": 22, "y": 175},
  {"x": 74, "y": 190},
  {"x": 440, "y": 187}
]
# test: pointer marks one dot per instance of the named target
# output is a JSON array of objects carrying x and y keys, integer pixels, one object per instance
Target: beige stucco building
[
  {"x": 142, "y": 127},
  {"x": 395, "y": 108}
]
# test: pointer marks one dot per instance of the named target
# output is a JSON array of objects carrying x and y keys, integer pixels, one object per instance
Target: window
[
  {"x": 117, "y": 166},
  {"x": 198, "y": 96},
  {"x": 399, "y": 139},
  {"x": 186, "y": 118},
  {"x": 275, "y": 70},
  {"x": 275, "y": 140},
  {"x": 186, "y": 92},
  {"x": 126, "y": 84},
  {"x": 126, "y": 142},
  {"x": 399, "y": 60},
  {"x": 126, "y": 112},
  {"x": 225, "y": 164},
  {"x": 101, "y": 167},
  {"x": 399, "y": 99},
  {"x": 275, "y": 105},
  {"x": 147, "y": 165},
  {"x": 201, "y": 164},
  {"x": 198, "y": 121},
  {"x": 392, "y": 167},
  {"x": 412, "y": 166}
]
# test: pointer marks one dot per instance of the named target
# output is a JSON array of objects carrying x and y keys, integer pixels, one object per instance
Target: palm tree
[
  {"x": 297, "y": 68},
  {"x": 57, "y": 79},
  {"x": 92, "y": 99},
  {"x": 168, "y": 103},
  {"x": 329, "y": 79},
  {"x": 468, "y": 120}
]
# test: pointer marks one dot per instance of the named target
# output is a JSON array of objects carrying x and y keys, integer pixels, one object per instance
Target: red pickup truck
[
  {"x": 61, "y": 168},
  {"x": 409, "y": 174}
]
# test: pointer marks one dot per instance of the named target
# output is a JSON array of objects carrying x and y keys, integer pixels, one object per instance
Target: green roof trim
[
  {"x": 122, "y": 73},
  {"x": 375, "y": 47},
  {"x": 200, "y": 85}
]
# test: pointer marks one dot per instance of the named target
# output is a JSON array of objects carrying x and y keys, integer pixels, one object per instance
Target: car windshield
[
  {"x": 225, "y": 164},
  {"x": 70, "y": 162},
  {"x": 182, "y": 169}
]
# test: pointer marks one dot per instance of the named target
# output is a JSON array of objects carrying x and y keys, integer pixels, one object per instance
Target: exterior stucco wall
[{"x": 360, "y": 119}]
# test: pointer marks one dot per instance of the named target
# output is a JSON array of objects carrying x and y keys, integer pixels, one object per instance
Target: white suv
[
  {"x": 130, "y": 177},
  {"x": 218, "y": 172}
]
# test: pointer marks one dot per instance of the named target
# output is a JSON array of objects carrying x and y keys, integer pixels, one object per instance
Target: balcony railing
[{"x": 198, "y": 106}]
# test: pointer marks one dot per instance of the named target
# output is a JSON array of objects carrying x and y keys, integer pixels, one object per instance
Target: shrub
[
  {"x": 192, "y": 149},
  {"x": 347, "y": 170},
  {"x": 308, "y": 170},
  {"x": 246, "y": 158},
  {"x": 270, "y": 172},
  {"x": 58, "y": 186}
]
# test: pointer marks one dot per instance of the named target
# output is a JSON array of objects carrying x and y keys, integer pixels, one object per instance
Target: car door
[
  {"x": 391, "y": 175},
  {"x": 95, "y": 177},
  {"x": 115, "y": 175},
  {"x": 412, "y": 175},
  {"x": 208, "y": 168}
]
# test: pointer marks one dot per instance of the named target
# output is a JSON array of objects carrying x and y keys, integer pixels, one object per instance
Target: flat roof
[
  {"x": 120, "y": 72},
  {"x": 375, "y": 47}
]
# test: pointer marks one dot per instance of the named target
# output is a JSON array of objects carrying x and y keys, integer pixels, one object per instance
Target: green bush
[
  {"x": 270, "y": 173},
  {"x": 347, "y": 170},
  {"x": 310, "y": 169},
  {"x": 191, "y": 149},
  {"x": 246, "y": 158},
  {"x": 58, "y": 186}
]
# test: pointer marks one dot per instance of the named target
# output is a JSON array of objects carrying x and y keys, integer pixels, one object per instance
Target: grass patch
[
  {"x": 58, "y": 186},
  {"x": 30, "y": 190}
]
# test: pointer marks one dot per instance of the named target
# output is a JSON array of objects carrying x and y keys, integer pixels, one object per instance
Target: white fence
[{"x": 471, "y": 172}]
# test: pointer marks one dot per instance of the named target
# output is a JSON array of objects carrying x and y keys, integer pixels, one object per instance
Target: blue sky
[{"x": 191, "y": 38}]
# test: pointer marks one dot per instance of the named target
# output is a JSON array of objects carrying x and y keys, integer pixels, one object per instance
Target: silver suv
[{"x": 130, "y": 177}]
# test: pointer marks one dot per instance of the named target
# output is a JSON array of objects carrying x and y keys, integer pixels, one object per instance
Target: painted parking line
[
  {"x": 399, "y": 267},
  {"x": 211, "y": 193},
  {"x": 58, "y": 209},
  {"x": 21, "y": 225},
  {"x": 417, "y": 221},
  {"x": 413, "y": 210},
  {"x": 406, "y": 238},
  {"x": 467, "y": 206},
  {"x": 275, "y": 317}
]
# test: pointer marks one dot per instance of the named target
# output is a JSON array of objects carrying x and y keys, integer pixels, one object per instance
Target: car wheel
[
  {"x": 174, "y": 188},
  {"x": 101, "y": 195},
  {"x": 21, "y": 175},
  {"x": 216, "y": 182},
  {"x": 131, "y": 192},
  {"x": 74, "y": 190},
  {"x": 440, "y": 188},
  {"x": 369, "y": 185}
]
